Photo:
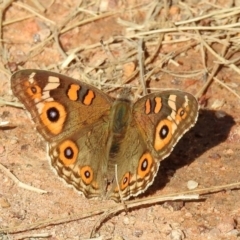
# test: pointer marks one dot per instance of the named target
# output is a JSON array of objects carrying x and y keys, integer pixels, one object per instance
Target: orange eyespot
[
  {"x": 33, "y": 90},
  {"x": 86, "y": 173},
  {"x": 144, "y": 165},
  {"x": 53, "y": 116},
  {"x": 181, "y": 114},
  {"x": 125, "y": 180},
  {"x": 68, "y": 152},
  {"x": 163, "y": 134}
]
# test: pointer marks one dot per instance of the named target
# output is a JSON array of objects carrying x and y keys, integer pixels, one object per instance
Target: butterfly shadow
[{"x": 208, "y": 132}]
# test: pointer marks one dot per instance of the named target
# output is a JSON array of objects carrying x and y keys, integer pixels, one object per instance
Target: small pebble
[
  {"x": 110, "y": 227},
  {"x": 234, "y": 232},
  {"x": 188, "y": 215},
  {"x": 138, "y": 233},
  {"x": 129, "y": 220},
  {"x": 217, "y": 104},
  {"x": 214, "y": 232},
  {"x": 41, "y": 35},
  {"x": 103, "y": 6},
  {"x": 13, "y": 141},
  {"x": 4, "y": 203},
  {"x": 166, "y": 229},
  {"x": 192, "y": 184},
  {"x": 167, "y": 37},
  {"x": 220, "y": 114},
  {"x": 228, "y": 151},
  {"x": 177, "y": 234},
  {"x": 117, "y": 237},
  {"x": 215, "y": 156}
]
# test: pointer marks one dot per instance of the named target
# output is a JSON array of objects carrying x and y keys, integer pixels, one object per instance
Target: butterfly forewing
[{"x": 59, "y": 105}]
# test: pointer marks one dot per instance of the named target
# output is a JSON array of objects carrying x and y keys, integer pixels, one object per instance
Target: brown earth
[{"x": 208, "y": 154}]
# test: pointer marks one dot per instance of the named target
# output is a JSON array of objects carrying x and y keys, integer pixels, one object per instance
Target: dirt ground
[{"x": 98, "y": 42}]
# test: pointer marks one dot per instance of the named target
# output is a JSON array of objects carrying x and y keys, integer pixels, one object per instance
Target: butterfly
[{"x": 104, "y": 147}]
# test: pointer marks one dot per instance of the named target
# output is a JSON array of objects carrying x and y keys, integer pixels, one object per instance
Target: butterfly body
[{"x": 102, "y": 146}]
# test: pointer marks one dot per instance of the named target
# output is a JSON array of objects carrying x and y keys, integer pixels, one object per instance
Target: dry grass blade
[
  {"x": 4, "y": 6},
  {"x": 33, "y": 236},
  {"x": 13, "y": 104},
  {"x": 225, "y": 86},
  {"x": 203, "y": 55},
  {"x": 216, "y": 66},
  {"x": 227, "y": 12},
  {"x": 19, "y": 183},
  {"x": 231, "y": 28},
  {"x": 5, "y": 23},
  {"x": 38, "y": 5},
  {"x": 33, "y": 11},
  {"x": 91, "y": 19},
  {"x": 3, "y": 124}
]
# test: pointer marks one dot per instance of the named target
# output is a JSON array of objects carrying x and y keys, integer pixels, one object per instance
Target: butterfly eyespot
[
  {"x": 53, "y": 116},
  {"x": 163, "y": 134},
  {"x": 125, "y": 180},
  {"x": 145, "y": 164},
  {"x": 182, "y": 113},
  {"x": 33, "y": 90},
  {"x": 68, "y": 152},
  {"x": 86, "y": 173}
]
